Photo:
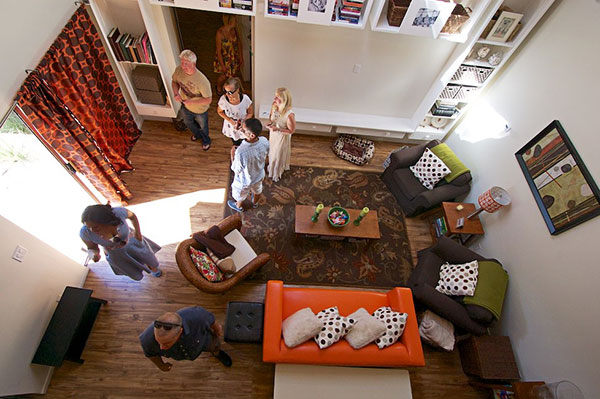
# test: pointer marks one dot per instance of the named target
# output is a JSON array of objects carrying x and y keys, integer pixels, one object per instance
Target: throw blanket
[
  {"x": 492, "y": 281},
  {"x": 213, "y": 239},
  {"x": 448, "y": 157}
]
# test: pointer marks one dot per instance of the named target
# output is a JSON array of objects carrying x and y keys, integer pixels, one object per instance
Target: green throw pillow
[{"x": 447, "y": 156}]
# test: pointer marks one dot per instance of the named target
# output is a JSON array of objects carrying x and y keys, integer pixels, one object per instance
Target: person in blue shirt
[
  {"x": 248, "y": 165},
  {"x": 183, "y": 335},
  {"x": 127, "y": 251}
]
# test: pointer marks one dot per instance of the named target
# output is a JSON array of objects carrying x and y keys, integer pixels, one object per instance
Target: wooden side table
[
  {"x": 489, "y": 358},
  {"x": 521, "y": 389},
  {"x": 466, "y": 233}
]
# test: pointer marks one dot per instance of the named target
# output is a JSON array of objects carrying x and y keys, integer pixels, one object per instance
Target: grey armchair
[
  {"x": 423, "y": 280},
  {"x": 412, "y": 196}
]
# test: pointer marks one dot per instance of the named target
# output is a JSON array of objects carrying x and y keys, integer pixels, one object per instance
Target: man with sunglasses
[{"x": 183, "y": 335}]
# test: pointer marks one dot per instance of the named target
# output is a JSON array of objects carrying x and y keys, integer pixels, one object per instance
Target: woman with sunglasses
[
  {"x": 281, "y": 128},
  {"x": 234, "y": 107},
  {"x": 127, "y": 251}
]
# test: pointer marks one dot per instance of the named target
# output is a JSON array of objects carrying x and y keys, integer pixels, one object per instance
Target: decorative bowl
[{"x": 338, "y": 216}]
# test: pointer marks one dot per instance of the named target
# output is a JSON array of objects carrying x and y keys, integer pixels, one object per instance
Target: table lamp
[{"x": 492, "y": 200}]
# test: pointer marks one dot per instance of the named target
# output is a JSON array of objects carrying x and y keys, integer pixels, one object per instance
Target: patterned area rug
[{"x": 307, "y": 260}]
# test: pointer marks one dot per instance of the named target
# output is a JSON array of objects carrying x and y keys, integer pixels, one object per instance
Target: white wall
[
  {"x": 28, "y": 297},
  {"x": 553, "y": 303},
  {"x": 27, "y": 29},
  {"x": 315, "y": 62},
  {"x": 28, "y": 290}
]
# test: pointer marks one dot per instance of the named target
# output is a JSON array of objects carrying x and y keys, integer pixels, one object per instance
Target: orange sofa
[{"x": 281, "y": 302}]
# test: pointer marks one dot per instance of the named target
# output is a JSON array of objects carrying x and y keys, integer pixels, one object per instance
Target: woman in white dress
[
  {"x": 281, "y": 128},
  {"x": 234, "y": 107}
]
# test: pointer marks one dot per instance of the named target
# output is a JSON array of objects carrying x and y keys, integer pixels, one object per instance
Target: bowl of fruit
[{"x": 338, "y": 216}]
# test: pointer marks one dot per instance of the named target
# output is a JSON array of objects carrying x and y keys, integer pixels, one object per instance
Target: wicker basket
[
  {"x": 459, "y": 16},
  {"x": 396, "y": 11}
]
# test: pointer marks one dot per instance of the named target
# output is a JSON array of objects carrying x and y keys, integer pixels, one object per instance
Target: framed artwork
[
  {"x": 505, "y": 25},
  {"x": 561, "y": 184},
  {"x": 426, "y": 17},
  {"x": 316, "y": 11}
]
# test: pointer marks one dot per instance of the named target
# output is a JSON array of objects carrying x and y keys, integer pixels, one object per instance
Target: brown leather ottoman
[
  {"x": 489, "y": 358},
  {"x": 244, "y": 322}
]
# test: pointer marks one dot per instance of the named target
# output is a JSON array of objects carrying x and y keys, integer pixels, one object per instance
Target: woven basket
[
  {"x": 456, "y": 20},
  {"x": 396, "y": 11}
]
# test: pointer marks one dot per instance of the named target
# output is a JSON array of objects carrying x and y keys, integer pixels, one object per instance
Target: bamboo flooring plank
[{"x": 168, "y": 164}]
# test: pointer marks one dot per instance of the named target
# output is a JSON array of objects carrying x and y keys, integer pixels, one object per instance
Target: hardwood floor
[{"x": 168, "y": 164}]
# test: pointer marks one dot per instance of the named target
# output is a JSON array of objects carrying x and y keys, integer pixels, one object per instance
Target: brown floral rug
[{"x": 307, "y": 260}]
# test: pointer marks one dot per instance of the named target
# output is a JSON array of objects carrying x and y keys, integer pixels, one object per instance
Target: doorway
[
  {"x": 39, "y": 194},
  {"x": 197, "y": 31}
]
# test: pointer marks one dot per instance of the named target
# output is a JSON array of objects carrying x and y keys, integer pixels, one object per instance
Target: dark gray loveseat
[{"x": 412, "y": 196}]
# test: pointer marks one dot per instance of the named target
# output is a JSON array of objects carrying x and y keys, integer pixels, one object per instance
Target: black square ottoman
[{"x": 244, "y": 322}]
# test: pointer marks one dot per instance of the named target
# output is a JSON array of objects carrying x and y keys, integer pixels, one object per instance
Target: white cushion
[
  {"x": 243, "y": 251},
  {"x": 334, "y": 327},
  {"x": 437, "y": 331},
  {"x": 366, "y": 330},
  {"x": 430, "y": 169},
  {"x": 300, "y": 327},
  {"x": 395, "y": 322},
  {"x": 458, "y": 279}
]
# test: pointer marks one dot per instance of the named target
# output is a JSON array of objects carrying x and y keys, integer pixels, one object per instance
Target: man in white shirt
[{"x": 248, "y": 165}]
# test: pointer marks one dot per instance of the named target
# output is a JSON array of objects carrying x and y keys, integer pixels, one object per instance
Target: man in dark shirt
[{"x": 183, "y": 336}]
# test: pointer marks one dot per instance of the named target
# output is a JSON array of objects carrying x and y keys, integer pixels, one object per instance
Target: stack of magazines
[
  {"x": 440, "y": 109},
  {"x": 350, "y": 10},
  {"x": 279, "y": 7}
]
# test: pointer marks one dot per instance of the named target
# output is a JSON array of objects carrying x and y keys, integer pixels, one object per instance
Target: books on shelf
[
  {"x": 440, "y": 226},
  {"x": 243, "y": 4},
  {"x": 279, "y": 7},
  {"x": 225, "y": 3},
  {"x": 350, "y": 10},
  {"x": 126, "y": 47},
  {"x": 443, "y": 110}
]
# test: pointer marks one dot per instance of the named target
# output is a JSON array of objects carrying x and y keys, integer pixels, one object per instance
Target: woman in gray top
[{"x": 127, "y": 251}]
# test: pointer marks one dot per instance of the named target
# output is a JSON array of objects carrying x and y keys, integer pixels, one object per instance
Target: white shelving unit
[
  {"x": 128, "y": 16},
  {"x": 346, "y": 122},
  {"x": 379, "y": 22},
  {"x": 466, "y": 56},
  {"x": 305, "y": 17},
  {"x": 206, "y": 5}
]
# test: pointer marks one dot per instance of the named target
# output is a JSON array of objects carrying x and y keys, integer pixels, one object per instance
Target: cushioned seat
[
  {"x": 411, "y": 195},
  {"x": 244, "y": 322},
  {"x": 245, "y": 259},
  {"x": 408, "y": 183},
  {"x": 425, "y": 276}
]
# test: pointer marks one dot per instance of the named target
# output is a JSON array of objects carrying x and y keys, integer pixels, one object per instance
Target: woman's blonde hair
[
  {"x": 286, "y": 100},
  {"x": 235, "y": 82}
]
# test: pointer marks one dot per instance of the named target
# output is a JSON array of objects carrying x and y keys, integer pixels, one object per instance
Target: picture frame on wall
[
  {"x": 504, "y": 26},
  {"x": 426, "y": 17},
  {"x": 562, "y": 186},
  {"x": 316, "y": 11}
]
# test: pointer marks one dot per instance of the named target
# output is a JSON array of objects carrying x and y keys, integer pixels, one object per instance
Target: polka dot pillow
[
  {"x": 395, "y": 322},
  {"x": 205, "y": 265},
  {"x": 334, "y": 327},
  {"x": 458, "y": 279},
  {"x": 430, "y": 169}
]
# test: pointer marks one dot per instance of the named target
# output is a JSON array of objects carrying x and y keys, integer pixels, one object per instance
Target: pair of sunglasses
[
  {"x": 164, "y": 325},
  {"x": 230, "y": 92}
]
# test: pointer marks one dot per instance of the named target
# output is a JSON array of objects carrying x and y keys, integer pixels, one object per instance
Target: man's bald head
[{"x": 168, "y": 337}]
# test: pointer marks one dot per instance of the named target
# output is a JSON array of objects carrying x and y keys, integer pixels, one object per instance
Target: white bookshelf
[
  {"x": 325, "y": 18},
  {"x": 128, "y": 16},
  {"x": 379, "y": 22},
  {"x": 206, "y": 5},
  {"x": 466, "y": 55}
]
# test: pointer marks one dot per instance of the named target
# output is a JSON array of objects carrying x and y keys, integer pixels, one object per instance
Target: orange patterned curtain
[{"x": 73, "y": 100}]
